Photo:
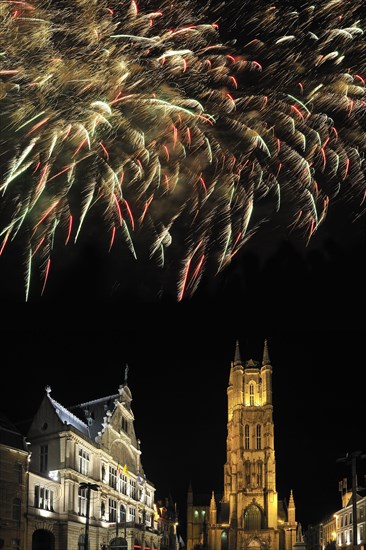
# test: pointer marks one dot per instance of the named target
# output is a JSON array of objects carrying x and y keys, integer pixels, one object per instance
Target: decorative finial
[
  {"x": 48, "y": 389},
  {"x": 126, "y": 374}
]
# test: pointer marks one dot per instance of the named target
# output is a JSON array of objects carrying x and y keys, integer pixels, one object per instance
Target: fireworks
[{"x": 143, "y": 126}]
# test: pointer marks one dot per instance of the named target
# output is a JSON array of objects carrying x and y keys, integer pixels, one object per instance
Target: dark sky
[
  {"x": 308, "y": 300},
  {"x": 179, "y": 363}
]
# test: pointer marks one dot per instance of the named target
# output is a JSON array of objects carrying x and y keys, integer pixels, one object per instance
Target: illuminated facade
[
  {"x": 344, "y": 522},
  {"x": 249, "y": 515},
  {"x": 86, "y": 480},
  {"x": 14, "y": 457}
]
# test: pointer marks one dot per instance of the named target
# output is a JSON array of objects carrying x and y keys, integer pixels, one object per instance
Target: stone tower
[{"x": 249, "y": 516}]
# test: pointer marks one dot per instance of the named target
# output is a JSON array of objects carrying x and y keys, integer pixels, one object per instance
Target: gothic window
[
  {"x": 252, "y": 518},
  {"x": 247, "y": 473},
  {"x": 258, "y": 435},
  {"x": 43, "y": 458},
  {"x": 251, "y": 394},
  {"x": 259, "y": 473},
  {"x": 224, "y": 541},
  {"x": 246, "y": 436}
]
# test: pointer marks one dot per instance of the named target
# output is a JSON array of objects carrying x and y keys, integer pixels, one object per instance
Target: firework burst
[{"x": 142, "y": 124}]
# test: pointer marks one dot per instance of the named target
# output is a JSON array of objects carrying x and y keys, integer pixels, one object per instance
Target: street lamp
[{"x": 88, "y": 487}]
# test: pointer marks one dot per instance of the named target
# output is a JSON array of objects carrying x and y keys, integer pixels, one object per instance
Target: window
[
  {"x": 246, "y": 436},
  {"x": 258, "y": 433},
  {"x": 252, "y": 518},
  {"x": 82, "y": 497},
  {"x": 83, "y": 462},
  {"x": 361, "y": 534},
  {"x": 113, "y": 477},
  {"x": 132, "y": 514},
  {"x": 124, "y": 424},
  {"x": 251, "y": 394},
  {"x": 43, "y": 498},
  {"x": 16, "y": 509},
  {"x": 147, "y": 497},
  {"x": 43, "y": 465},
  {"x": 81, "y": 542},
  {"x": 133, "y": 493},
  {"x": 112, "y": 510},
  {"x": 123, "y": 485},
  {"x": 122, "y": 513}
]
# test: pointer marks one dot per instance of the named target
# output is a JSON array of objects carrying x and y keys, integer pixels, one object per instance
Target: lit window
[
  {"x": 43, "y": 498},
  {"x": 246, "y": 437},
  {"x": 251, "y": 394},
  {"x": 83, "y": 462},
  {"x": 258, "y": 433},
  {"x": 112, "y": 510}
]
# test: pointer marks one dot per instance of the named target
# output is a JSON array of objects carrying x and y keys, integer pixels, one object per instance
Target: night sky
[
  {"x": 178, "y": 373},
  {"x": 100, "y": 311}
]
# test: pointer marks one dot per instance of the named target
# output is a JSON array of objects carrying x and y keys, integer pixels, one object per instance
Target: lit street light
[{"x": 88, "y": 487}]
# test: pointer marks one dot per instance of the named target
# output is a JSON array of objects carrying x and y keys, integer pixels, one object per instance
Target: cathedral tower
[{"x": 249, "y": 516}]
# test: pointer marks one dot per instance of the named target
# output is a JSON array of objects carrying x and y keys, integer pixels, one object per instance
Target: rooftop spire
[
  {"x": 266, "y": 360},
  {"x": 126, "y": 375},
  {"x": 237, "y": 358}
]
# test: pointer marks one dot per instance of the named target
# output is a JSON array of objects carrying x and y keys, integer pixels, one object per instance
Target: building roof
[{"x": 10, "y": 435}]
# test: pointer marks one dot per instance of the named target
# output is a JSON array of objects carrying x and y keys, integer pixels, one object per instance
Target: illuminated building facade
[
  {"x": 344, "y": 521},
  {"x": 14, "y": 457},
  {"x": 86, "y": 487},
  {"x": 249, "y": 516}
]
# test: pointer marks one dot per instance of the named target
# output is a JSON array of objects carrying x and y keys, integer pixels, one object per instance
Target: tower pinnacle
[
  {"x": 266, "y": 360},
  {"x": 237, "y": 358}
]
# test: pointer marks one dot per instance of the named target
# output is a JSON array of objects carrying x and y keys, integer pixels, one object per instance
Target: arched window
[
  {"x": 252, "y": 518},
  {"x": 246, "y": 436},
  {"x": 224, "y": 540},
  {"x": 258, "y": 434},
  {"x": 251, "y": 394}
]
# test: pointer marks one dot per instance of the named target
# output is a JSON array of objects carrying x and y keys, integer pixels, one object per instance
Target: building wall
[{"x": 13, "y": 487}]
